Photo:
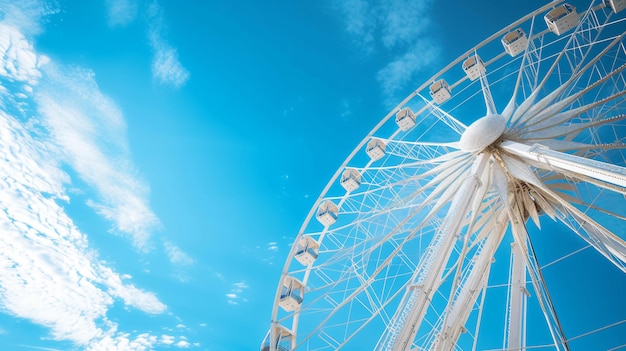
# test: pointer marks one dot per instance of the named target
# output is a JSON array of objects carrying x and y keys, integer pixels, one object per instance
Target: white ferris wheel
[{"x": 399, "y": 251}]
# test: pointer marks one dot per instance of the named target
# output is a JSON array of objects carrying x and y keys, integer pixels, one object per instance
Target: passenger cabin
[
  {"x": 327, "y": 213},
  {"x": 307, "y": 251},
  {"x": 562, "y": 18},
  {"x": 292, "y": 294},
  {"x": 515, "y": 42},
  {"x": 278, "y": 336},
  {"x": 350, "y": 179},
  {"x": 616, "y": 5},
  {"x": 405, "y": 119},
  {"x": 440, "y": 91},
  {"x": 474, "y": 67},
  {"x": 376, "y": 149}
]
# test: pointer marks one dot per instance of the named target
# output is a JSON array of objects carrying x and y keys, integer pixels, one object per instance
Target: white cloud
[
  {"x": 240, "y": 286},
  {"x": 404, "y": 70},
  {"x": 403, "y": 21},
  {"x": 181, "y": 260},
  {"x": 123, "y": 342},
  {"x": 121, "y": 12},
  {"x": 166, "y": 67},
  {"x": 400, "y": 28},
  {"x": 54, "y": 279},
  {"x": 18, "y": 61},
  {"x": 360, "y": 22},
  {"x": 51, "y": 276},
  {"x": 142, "y": 342},
  {"x": 167, "y": 339},
  {"x": 183, "y": 344},
  {"x": 87, "y": 125},
  {"x": 177, "y": 256},
  {"x": 26, "y": 15},
  {"x": 236, "y": 290},
  {"x": 91, "y": 130},
  {"x": 346, "y": 112},
  {"x": 272, "y": 246},
  {"x": 145, "y": 301}
]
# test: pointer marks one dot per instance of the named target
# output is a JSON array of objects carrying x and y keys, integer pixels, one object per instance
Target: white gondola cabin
[
  {"x": 405, "y": 119},
  {"x": 307, "y": 251},
  {"x": 515, "y": 42},
  {"x": 562, "y": 18},
  {"x": 616, "y": 5},
  {"x": 327, "y": 213},
  {"x": 376, "y": 149},
  {"x": 350, "y": 179},
  {"x": 474, "y": 67},
  {"x": 278, "y": 336},
  {"x": 292, "y": 294},
  {"x": 440, "y": 91}
]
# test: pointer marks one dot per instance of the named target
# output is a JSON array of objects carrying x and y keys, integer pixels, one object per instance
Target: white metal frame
[{"x": 453, "y": 207}]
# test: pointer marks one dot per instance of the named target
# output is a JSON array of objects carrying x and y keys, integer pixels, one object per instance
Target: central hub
[{"x": 482, "y": 133}]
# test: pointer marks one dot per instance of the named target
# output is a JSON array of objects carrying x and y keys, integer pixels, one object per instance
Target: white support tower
[
  {"x": 468, "y": 291},
  {"x": 428, "y": 278},
  {"x": 517, "y": 301}
]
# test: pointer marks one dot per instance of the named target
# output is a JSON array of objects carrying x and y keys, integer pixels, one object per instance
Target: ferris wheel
[{"x": 403, "y": 249}]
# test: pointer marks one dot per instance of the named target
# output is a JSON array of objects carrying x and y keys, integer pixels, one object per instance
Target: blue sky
[{"x": 160, "y": 156}]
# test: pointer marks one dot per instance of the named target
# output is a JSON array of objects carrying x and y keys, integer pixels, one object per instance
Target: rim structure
[{"x": 426, "y": 241}]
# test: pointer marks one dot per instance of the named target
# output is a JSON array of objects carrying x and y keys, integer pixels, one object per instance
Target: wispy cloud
[
  {"x": 18, "y": 61},
  {"x": 121, "y": 12},
  {"x": 272, "y": 246},
  {"x": 177, "y": 256},
  {"x": 398, "y": 28},
  {"x": 234, "y": 296},
  {"x": 403, "y": 21},
  {"x": 59, "y": 117},
  {"x": 346, "y": 111},
  {"x": 181, "y": 261},
  {"x": 184, "y": 344},
  {"x": 404, "y": 70},
  {"x": 49, "y": 274},
  {"x": 26, "y": 15},
  {"x": 166, "y": 66},
  {"x": 167, "y": 339},
  {"x": 91, "y": 130},
  {"x": 360, "y": 22},
  {"x": 181, "y": 343},
  {"x": 142, "y": 342}
]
